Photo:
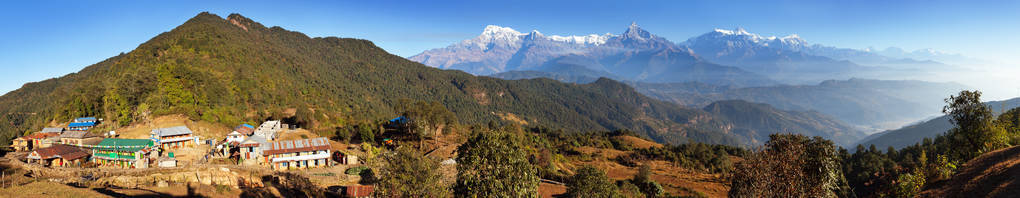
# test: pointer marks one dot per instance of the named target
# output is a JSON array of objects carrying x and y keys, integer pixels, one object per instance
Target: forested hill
[
  {"x": 236, "y": 70},
  {"x": 757, "y": 121}
]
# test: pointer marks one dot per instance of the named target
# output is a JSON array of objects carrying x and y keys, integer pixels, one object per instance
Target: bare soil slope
[{"x": 994, "y": 174}]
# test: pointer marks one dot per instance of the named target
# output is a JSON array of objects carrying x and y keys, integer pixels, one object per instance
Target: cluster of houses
[
  {"x": 74, "y": 146},
  {"x": 259, "y": 146}
]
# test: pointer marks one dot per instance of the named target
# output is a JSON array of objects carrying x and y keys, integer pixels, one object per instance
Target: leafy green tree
[
  {"x": 426, "y": 119},
  {"x": 975, "y": 132},
  {"x": 1010, "y": 122},
  {"x": 408, "y": 173},
  {"x": 643, "y": 179},
  {"x": 366, "y": 133},
  {"x": 943, "y": 167},
  {"x": 494, "y": 164},
  {"x": 910, "y": 184},
  {"x": 644, "y": 174},
  {"x": 589, "y": 181},
  {"x": 790, "y": 166},
  {"x": 869, "y": 172},
  {"x": 629, "y": 189}
]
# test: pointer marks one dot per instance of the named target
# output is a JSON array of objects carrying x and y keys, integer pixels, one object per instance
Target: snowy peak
[
  {"x": 740, "y": 35},
  {"x": 592, "y": 39},
  {"x": 495, "y": 35},
  {"x": 534, "y": 35},
  {"x": 636, "y": 38},
  {"x": 738, "y": 31},
  {"x": 636, "y": 33},
  {"x": 494, "y": 31}
]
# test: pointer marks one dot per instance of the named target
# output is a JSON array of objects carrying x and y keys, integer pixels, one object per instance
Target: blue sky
[{"x": 46, "y": 39}]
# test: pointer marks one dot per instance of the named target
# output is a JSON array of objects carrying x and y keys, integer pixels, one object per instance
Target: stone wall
[
  {"x": 210, "y": 176},
  {"x": 133, "y": 178}
]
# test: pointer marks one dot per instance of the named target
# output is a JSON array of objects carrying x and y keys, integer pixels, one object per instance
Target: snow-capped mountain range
[
  {"x": 495, "y": 48},
  {"x": 494, "y": 36},
  {"x": 791, "y": 42},
  {"x": 636, "y": 54},
  {"x": 745, "y": 65},
  {"x": 787, "y": 59}
]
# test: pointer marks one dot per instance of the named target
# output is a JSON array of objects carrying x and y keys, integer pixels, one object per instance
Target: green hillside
[
  {"x": 236, "y": 70},
  {"x": 757, "y": 121}
]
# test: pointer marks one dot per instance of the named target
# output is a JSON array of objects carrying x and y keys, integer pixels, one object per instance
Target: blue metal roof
[
  {"x": 82, "y": 124},
  {"x": 247, "y": 125},
  {"x": 172, "y": 131},
  {"x": 85, "y": 119},
  {"x": 400, "y": 119}
]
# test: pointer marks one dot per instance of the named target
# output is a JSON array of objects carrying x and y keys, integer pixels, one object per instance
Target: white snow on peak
[
  {"x": 495, "y": 29},
  {"x": 741, "y": 31},
  {"x": 592, "y": 39},
  {"x": 725, "y": 32},
  {"x": 792, "y": 39},
  {"x": 535, "y": 32},
  {"x": 505, "y": 36},
  {"x": 633, "y": 32},
  {"x": 493, "y": 32},
  {"x": 738, "y": 31}
]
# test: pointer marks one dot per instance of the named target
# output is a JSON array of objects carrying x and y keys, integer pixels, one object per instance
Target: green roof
[{"x": 130, "y": 145}]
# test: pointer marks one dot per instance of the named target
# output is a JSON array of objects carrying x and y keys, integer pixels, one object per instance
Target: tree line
[{"x": 799, "y": 166}]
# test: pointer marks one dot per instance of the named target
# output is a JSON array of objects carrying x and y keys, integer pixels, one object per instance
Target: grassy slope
[{"x": 993, "y": 174}]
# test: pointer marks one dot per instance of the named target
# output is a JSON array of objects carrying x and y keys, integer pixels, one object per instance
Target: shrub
[{"x": 356, "y": 170}]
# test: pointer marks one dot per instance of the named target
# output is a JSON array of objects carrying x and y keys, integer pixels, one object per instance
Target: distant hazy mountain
[
  {"x": 926, "y": 55},
  {"x": 636, "y": 55},
  {"x": 868, "y": 104},
  {"x": 564, "y": 72},
  {"x": 757, "y": 121},
  {"x": 915, "y": 133},
  {"x": 791, "y": 59},
  {"x": 875, "y": 104}
]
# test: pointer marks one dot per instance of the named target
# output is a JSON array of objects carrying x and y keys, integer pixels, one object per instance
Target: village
[{"x": 270, "y": 147}]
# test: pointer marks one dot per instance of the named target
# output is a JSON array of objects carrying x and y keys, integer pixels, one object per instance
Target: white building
[
  {"x": 297, "y": 154},
  {"x": 269, "y": 129}
]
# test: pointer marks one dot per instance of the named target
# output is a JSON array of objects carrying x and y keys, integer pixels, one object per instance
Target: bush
[
  {"x": 591, "y": 182},
  {"x": 628, "y": 189},
  {"x": 495, "y": 163},
  {"x": 356, "y": 170},
  {"x": 408, "y": 173}
]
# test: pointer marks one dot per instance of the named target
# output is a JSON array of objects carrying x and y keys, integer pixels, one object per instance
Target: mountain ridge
[
  {"x": 636, "y": 54},
  {"x": 234, "y": 70}
]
